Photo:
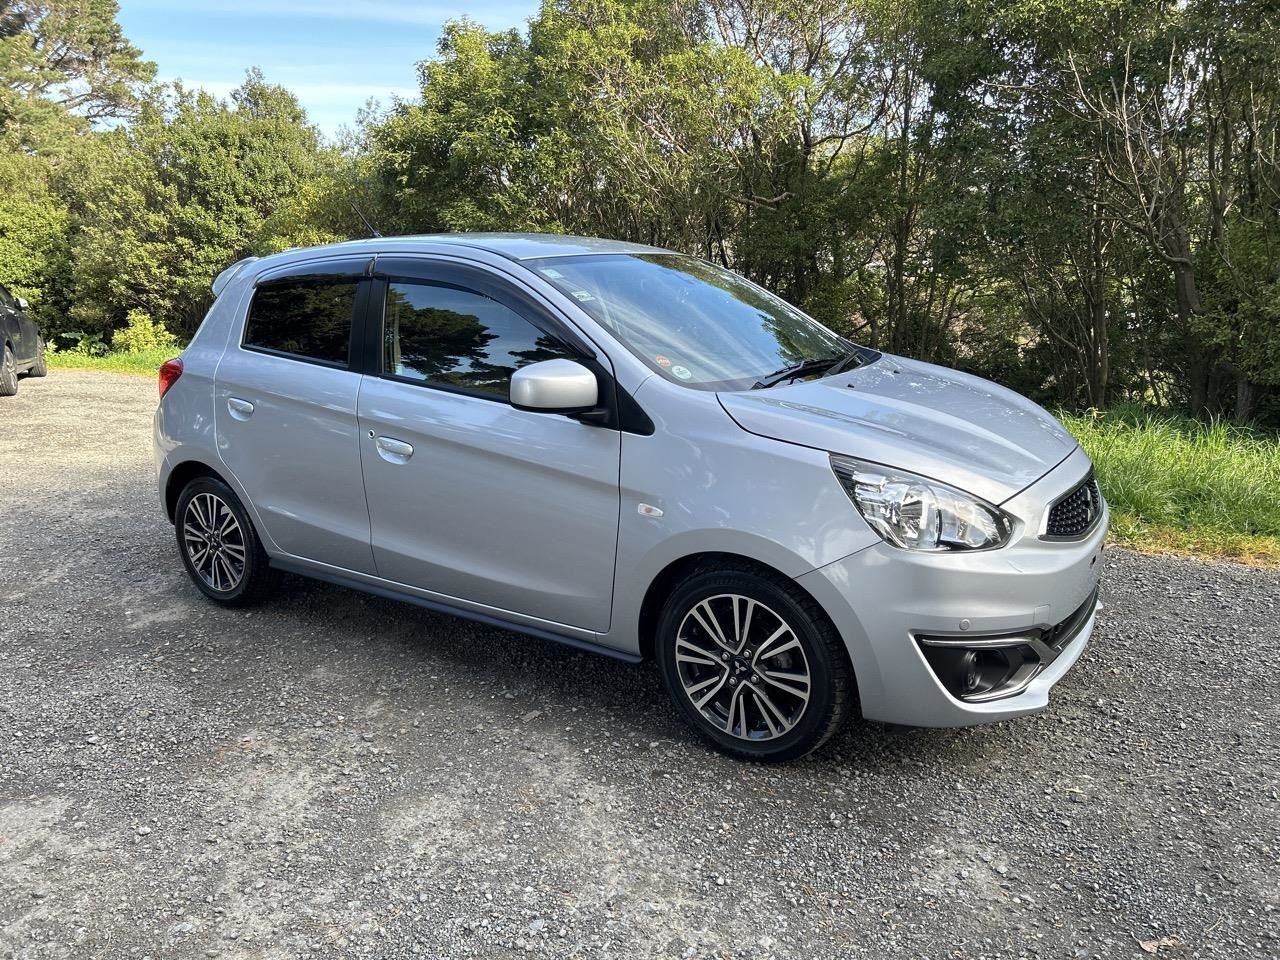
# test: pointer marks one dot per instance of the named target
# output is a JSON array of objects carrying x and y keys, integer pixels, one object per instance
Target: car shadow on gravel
[{"x": 524, "y": 670}]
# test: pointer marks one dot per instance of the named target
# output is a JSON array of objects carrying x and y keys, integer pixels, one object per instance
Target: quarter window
[
  {"x": 457, "y": 338},
  {"x": 308, "y": 317}
]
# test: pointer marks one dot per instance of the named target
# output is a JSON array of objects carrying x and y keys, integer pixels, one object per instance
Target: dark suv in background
[{"x": 23, "y": 345}]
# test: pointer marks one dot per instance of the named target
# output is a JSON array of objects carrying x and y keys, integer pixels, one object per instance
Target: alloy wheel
[
  {"x": 214, "y": 541},
  {"x": 742, "y": 667}
]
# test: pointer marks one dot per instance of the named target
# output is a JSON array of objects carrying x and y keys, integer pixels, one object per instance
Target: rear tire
[
  {"x": 41, "y": 367},
  {"x": 220, "y": 548},
  {"x": 8, "y": 373},
  {"x": 753, "y": 664}
]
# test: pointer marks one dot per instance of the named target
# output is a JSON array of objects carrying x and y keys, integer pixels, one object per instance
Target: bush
[
  {"x": 84, "y": 343},
  {"x": 142, "y": 334}
]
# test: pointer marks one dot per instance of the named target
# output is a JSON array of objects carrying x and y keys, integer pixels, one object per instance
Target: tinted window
[
  {"x": 5, "y": 299},
  {"x": 306, "y": 317},
  {"x": 458, "y": 338}
]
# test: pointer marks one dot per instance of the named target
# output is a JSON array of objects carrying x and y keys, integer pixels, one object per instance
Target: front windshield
[{"x": 691, "y": 321}]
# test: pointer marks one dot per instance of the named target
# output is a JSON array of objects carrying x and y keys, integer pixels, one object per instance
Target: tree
[
  {"x": 64, "y": 65},
  {"x": 1187, "y": 130},
  {"x": 33, "y": 235},
  {"x": 185, "y": 190}
]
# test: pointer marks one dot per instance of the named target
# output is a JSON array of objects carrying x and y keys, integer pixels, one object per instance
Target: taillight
[{"x": 170, "y": 371}]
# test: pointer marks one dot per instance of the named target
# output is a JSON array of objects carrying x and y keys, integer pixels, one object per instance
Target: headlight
[{"x": 920, "y": 514}]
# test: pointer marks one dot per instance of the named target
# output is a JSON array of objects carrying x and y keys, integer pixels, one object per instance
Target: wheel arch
[
  {"x": 670, "y": 576},
  {"x": 179, "y": 477}
]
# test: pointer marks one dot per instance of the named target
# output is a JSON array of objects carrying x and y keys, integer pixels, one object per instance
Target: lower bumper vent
[{"x": 979, "y": 669}]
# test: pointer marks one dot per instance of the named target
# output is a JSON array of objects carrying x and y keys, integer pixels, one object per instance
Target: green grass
[
  {"x": 141, "y": 363},
  {"x": 1175, "y": 484}
]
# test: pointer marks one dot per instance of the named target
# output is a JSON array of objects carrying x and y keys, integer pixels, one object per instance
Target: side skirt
[{"x": 351, "y": 583}]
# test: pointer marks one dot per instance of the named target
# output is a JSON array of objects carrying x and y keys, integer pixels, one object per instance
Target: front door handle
[
  {"x": 393, "y": 450},
  {"x": 240, "y": 409}
]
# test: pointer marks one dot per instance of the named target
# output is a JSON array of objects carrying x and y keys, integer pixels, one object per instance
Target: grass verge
[
  {"x": 140, "y": 363},
  {"x": 1181, "y": 486}
]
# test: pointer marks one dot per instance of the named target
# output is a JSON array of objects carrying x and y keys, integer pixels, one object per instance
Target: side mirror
[
  {"x": 22, "y": 303},
  {"x": 554, "y": 386}
]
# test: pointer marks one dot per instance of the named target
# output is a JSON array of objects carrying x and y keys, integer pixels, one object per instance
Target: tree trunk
[
  {"x": 1187, "y": 299},
  {"x": 1100, "y": 358},
  {"x": 901, "y": 225},
  {"x": 1244, "y": 399}
]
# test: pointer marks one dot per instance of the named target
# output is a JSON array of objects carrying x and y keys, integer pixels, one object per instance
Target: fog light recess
[{"x": 975, "y": 670}]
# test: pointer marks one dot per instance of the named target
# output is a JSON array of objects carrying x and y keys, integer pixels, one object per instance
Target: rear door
[
  {"x": 285, "y": 407},
  {"x": 469, "y": 497},
  {"x": 30, "y": 332}
]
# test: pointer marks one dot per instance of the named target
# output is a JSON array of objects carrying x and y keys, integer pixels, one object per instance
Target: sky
[{"x": 333, "y": 55}]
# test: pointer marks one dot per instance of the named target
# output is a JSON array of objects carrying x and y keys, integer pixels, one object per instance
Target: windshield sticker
[
  {"x": 684, "y": 373},
  {"x": 553, "y": 274},
  {"x": 662, "y": 361},
  {"x": 582, "y": 296}
]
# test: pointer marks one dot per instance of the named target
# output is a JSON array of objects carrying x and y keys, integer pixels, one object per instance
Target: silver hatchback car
[{"x": 639, "y": 453}]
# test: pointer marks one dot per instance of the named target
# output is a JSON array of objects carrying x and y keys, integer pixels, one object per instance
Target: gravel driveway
[{"x": 334, "y": 775}]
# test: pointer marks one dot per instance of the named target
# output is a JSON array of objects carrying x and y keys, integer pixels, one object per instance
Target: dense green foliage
[
  {"x": 179, "y": 194},
  {"x": 1080, "y": 198}
]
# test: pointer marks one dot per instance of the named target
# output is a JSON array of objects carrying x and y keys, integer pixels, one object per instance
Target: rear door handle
[
  {"x": 393, "y": 450},
  {"x": 240, "y": 409}
]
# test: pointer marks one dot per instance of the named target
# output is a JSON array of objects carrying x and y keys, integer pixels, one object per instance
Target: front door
[
  {"x": 24, "y": 346},
  {"x": 468, "y": 497},
  {"x": 285, "y": 408}
]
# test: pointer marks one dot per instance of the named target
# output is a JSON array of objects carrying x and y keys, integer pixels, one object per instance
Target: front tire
[
  {"x": 753, "y": 664},
  {"x": 219, "y": 546},
  {"x": 41, "y": 367},
  {"x": 8, "y": 373}
]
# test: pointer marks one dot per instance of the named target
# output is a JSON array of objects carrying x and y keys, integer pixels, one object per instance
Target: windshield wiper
[{"x": 827, "y": 365}]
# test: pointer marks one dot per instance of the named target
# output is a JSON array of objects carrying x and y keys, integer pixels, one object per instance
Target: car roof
[
  {"x": 513, "y": 246},
  {"x": 531, "y": 246}
]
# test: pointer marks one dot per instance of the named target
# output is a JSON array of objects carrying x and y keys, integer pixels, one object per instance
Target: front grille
[{"x": 1075, "y": 514}]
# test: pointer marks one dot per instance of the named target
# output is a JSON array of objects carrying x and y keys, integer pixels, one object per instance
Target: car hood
[{"x": 929, "y": 420}]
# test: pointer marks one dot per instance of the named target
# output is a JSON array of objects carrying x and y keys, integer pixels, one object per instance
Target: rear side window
[
  {"x": 305, "y": 317},
  {"x": 457, "y": 338}
]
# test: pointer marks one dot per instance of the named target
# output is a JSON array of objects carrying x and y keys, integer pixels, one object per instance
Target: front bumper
[{"x": 885, "y": 601}]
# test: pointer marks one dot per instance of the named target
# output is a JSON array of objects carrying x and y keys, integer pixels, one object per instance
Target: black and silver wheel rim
[
  {"x": 743, "y": 668},
  {"x": 214, "y": 542}
]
